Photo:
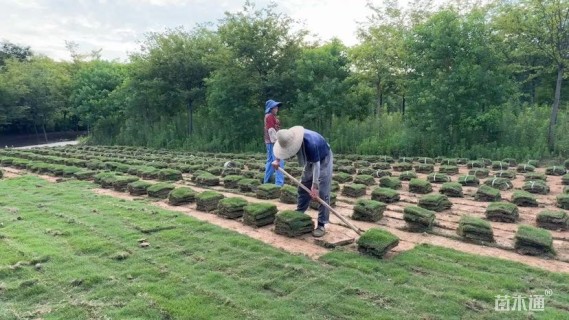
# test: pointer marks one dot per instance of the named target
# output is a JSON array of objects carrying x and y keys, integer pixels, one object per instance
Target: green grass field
[{"x": 67, "y": 253}]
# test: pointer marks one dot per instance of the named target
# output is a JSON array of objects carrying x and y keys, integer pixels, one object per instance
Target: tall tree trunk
[
  {"x": 190, "y": 118},
  {"x": 403, "y": 106},
  {"x": 555, "y": 108},
  {"x": 37, "y": 133},
  {"x": 44, "y": 133}
]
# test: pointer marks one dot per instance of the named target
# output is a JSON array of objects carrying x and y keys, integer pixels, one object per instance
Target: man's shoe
[{"x": 318, "y": 232}]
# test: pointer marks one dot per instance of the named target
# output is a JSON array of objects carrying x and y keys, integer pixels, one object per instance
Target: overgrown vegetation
[{"x": 486, "y": 80}]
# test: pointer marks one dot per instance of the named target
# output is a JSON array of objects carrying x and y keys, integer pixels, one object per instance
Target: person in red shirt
[{"x": 272, "y": 125}]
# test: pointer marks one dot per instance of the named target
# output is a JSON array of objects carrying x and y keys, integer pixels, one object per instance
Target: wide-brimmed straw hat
[{"x": 288, "y": 142}]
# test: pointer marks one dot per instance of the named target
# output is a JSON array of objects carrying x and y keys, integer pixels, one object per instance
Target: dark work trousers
[{"x": 324, "y": 185}]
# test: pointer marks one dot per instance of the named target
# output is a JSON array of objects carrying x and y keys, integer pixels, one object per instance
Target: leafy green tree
[
  {"x": 9, "y": 50},
  {"x": 458, "y": 81},
  {"x": 542, "y": 26},
  {"x": 256, "y": 63}
]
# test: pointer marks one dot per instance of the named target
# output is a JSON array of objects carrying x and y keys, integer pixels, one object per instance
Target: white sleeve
[{"x": 272, "y": 135}]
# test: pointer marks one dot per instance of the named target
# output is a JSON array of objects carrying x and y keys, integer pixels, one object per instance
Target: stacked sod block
[
  {"x": 259, "y": 214},
  {"x": 536, "y": 186},
  {"x": 208, "y": 200},
  {"x": 138, "y": 188},
  {"x": 487, "y": 193},
  {"x": 268, "y": 191},
  {"x": 342, "y": 177},
  {"x": 390, "y": 182},
  {"x": 452, "y": 189},
  {"x": 231, "y": 181},
  {"x": 382, "y": 173},
  {"x": 354, "y": 190},
  {"x": 420, "y": 186},
  {"x": 499, "y": 183},
  {"x": 553, "y": 220},
  {"x": 232, "y": 207},
  {"x": 479, "y": 173},
  {"x": 207, "y": 179},
  {"x": 555, "y": 171},
  {"x": 293, "y": 223},
  {"x": 248, "y": 185},
  {"x": 525, "y": 168},
  {"x": 85, "y": 174},
  {"x": 524, "y": 199},
  {"x": 469, "y": 181},
  {"x": 368, "y": 210},
  {"x": 376, "y": 242},
  {"x": 424, "y": 168},
  {"x": 563, "y": 201},
  {"x": 160, "y": 190},
  {"x": 121, "y": 182},
  {"x": 402, "y": 166},
  {"x": 533, "y": 176},
  {"x": 385, "y": 195},
  {"x": 435, "y": 202},
  {"x": 438, "y": 178},
  {"x": 365, "y": 179},
  {"x": 288, "y": 194},
  {"x": 476, "y": 229},
  {"x": 182, "y": 195},
  {"x": 449, "y": 170},
  {"x": 418, "y": 219},
  {"x": 502, "y": 212},
  {"x": 533, "y": 241},
  {"x": 505, "y": 174},
  {"x": 407, "y": 175}
]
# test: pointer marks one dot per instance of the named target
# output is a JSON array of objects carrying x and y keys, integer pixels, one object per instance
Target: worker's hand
[
  {"x": 314, "y": 191},
  {"x": 276, "y": 164}
]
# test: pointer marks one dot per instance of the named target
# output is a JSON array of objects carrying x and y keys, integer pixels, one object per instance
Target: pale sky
[{"x": 116, "y": 26}]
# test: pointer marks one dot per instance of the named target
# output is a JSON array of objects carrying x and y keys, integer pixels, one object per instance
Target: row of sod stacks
[
  {"x": 472, "y": 228},
  {"x": 377, "y": 242},
  {"x": 288, "y": 194},
  {"x": 420, "y": 186},
  {"x": 553, "y": 220},
  {"x": 524, "y": 199},
  {"x": 354, "y": 190},
  {"x": 469, "y": 181},
  {"x": 259, "y": 214},
  {"x": 502, "y": 212},
  {"x": 452, "y": 189},
  {"x": 208, "y": 200},
  {"x": 368, "y": 210},
  {"x": 182, "y": 195},
  {"x": 385, "y": 195},
  {"x": 390, "y": 182},
  {"x": 293, "y": 223},
  {"x": 563, "y": 201},
  {"x": 435, "y": 202},
  {"x": 138, "y": 188},
  {"x": 268, "y": 191},
  {"x": 536, "y": 186},
  {"x": 533, "y": 241},
  {"x": 231, "y": 208},
  {"x": 488, "y": 194},
  {"x": 418, "y": 219},
  {"x": 499, "y": 183}
]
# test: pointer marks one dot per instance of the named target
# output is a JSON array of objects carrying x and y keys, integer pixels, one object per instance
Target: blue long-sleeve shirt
[{"x": 313, "y": 150}]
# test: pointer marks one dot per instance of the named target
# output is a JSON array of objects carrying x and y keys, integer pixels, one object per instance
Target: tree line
[{"x": 461, "y": 79}]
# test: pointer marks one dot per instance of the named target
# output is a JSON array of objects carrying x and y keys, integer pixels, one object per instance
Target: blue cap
[{"x": 270, "y": 104}]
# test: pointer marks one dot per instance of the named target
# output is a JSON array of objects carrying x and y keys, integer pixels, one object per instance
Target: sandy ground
[{"x": 444, "y": 233}]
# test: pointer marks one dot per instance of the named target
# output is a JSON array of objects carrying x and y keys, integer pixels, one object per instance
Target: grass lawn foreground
[{"x": 67, "y": 253}]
